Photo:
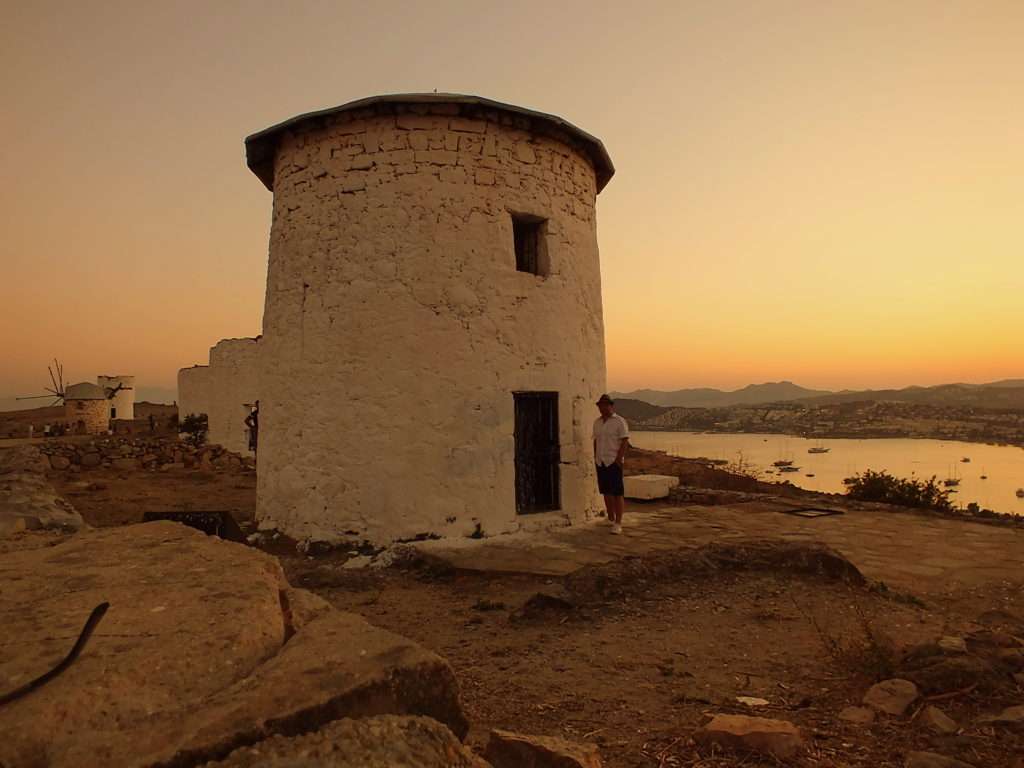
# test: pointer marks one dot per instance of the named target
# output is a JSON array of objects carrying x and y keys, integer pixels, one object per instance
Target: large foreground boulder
[
  {"x": 387, "y": 741},
  {"x": 205, "y": 648}
]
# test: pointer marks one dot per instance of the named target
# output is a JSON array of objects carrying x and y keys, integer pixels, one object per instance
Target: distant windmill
[{"x": 57, "y": 391}]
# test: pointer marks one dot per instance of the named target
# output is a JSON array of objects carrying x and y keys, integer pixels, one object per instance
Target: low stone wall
[
  {"x": 27, "y": 500},
  {"x": 148, "y": 453}
]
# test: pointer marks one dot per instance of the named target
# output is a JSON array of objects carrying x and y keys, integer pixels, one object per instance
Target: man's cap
[{"x": 605, "y": 399}]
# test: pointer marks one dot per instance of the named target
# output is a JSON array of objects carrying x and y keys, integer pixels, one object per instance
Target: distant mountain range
[
  {"x": 1008, "y": 393},
  {"x": 753, "y": 394}
]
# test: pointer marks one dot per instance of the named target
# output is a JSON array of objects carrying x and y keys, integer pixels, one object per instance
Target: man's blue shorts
[{"x": 609, "y": 480}]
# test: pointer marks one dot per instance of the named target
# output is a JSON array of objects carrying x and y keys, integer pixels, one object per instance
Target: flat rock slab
[
  {"x": 205, "y": 648},
  {"x": 647, "y": 487},
  {"x": 27, "y": 500},
  {"x": 516, "y": 750},
  {"x": 386, "y": 741},
  {"x": 777, "y": 738}
]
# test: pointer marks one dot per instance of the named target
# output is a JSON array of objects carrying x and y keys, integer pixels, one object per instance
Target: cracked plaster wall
[{"x": 396, "y": 327}]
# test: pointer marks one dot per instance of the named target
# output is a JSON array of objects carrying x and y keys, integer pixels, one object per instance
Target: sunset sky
[{"x": 831, "y": 193}]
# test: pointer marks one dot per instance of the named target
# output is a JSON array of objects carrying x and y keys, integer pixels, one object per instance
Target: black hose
[{"x": 83, "y": 638}]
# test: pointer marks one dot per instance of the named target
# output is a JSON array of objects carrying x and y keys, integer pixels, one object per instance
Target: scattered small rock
[
  {"x": 515, "y": 750},
  {"x": 777, "y": 738},
  {"x": 950, "y": 644},
  {"x": 938, "y": 721},
  {"x": 891, "y": 696},
  {"x": 1013, "y": 716},
  {"x": 952, "y": 673},
  {"x": 484, "y": 604},
  {"x": 359, "y": 561},
  {"x": 752, "y": 701},
  {"x": 858, "y": 715},
  {"x": 543, "y": 605}
]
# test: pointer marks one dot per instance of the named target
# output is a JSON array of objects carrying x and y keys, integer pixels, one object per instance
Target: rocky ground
[{"x": 723, "y": 656}]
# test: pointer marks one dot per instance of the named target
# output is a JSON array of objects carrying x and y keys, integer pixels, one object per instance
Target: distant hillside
[
  {"x": 1007, "y": 395},
  {"x": 637, "y": 410},
  {"x": 753, "y": 394}
]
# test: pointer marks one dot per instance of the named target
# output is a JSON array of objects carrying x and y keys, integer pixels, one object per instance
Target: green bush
[
  {"x": 883, "y": 487},
  {"x": 194, "y": 427}
]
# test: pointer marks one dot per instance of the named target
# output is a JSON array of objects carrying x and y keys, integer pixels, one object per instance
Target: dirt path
[{"x": 638, "y": 674}]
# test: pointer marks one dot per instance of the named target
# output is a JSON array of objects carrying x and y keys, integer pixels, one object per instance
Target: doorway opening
[{"x": 538, "y": 487}]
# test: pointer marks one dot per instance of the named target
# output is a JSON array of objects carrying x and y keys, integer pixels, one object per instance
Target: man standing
[
  {"x": 611, "y": 436},
  {"x": 252, "y": 421}
]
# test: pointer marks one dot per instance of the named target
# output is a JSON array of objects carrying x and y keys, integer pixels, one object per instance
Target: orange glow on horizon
[{"x": 825, "y": 193}]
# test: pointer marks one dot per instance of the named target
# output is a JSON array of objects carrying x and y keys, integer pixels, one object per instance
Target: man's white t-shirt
[{"x": 608, "y": 435}]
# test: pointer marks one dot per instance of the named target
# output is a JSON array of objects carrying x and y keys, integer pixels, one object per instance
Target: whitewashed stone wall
[
  {"x": 124, "y": 400},
  {"x": 396, "y": 327},
  {"x": 194, "y": 391},
  {"x": 233, "y": 382}
]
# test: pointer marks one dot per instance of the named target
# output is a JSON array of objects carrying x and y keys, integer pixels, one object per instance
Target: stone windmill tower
[{"x": 433, "y": 338}]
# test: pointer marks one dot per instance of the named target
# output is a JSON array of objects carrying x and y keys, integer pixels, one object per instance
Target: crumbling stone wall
[
  {"x": 88, "y": 417},
  {"x": 234, "y": 381},
  {"x": 397, "y": 328},
  {"x": 194, "y": 386}
]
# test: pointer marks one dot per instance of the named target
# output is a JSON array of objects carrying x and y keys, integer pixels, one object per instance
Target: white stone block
[{"x": 649, "y": 486}]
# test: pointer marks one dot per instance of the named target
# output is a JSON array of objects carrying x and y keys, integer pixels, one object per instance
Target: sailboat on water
[{"x": 953, "y": 480}]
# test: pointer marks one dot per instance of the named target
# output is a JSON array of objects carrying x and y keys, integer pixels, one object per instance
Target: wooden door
[{"x": 537, "y": 452}]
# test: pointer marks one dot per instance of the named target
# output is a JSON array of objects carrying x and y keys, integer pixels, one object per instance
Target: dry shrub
[{"x": 865, "y": 651}]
